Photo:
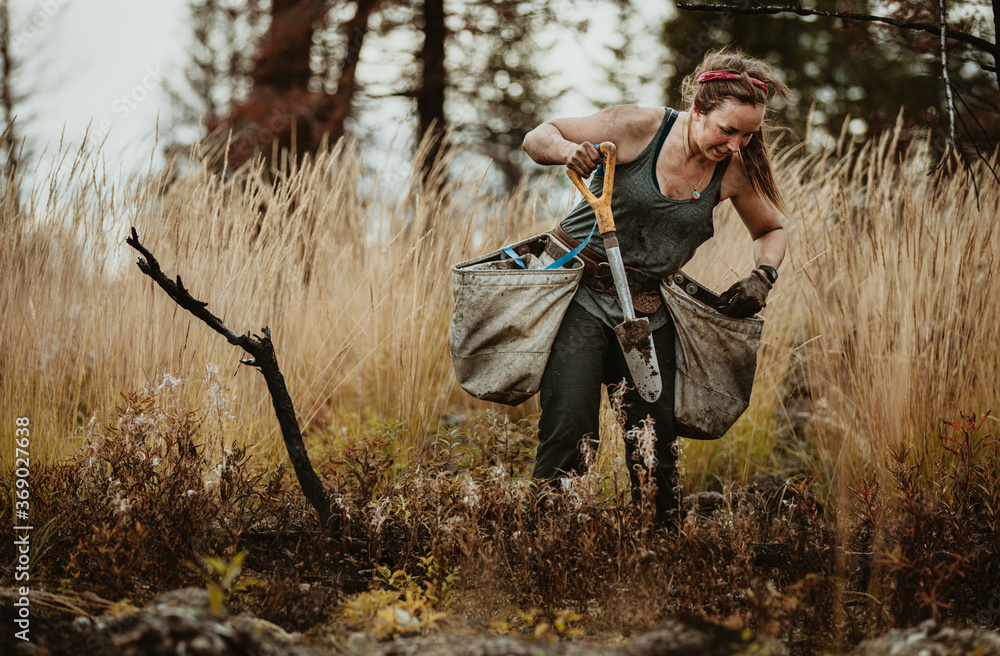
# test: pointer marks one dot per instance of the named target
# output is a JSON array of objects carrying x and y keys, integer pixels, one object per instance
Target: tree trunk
[
  {"x": 7, "y": 96},
  {"x": 996, "y": 40},
  {"x": 338, "y": 105},
  {"x": 282, "y": 62},
  {"x": 430, "y": 95},
  {"x": 279, "y": 112}
]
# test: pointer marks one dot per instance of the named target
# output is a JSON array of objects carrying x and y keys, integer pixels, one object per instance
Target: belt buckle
[{"x": 604, "y": 281}]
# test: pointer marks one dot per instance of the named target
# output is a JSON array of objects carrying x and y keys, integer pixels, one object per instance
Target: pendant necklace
[{"x": 694, "y": 187}]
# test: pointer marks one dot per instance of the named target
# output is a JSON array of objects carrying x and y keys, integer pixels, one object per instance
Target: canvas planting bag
[
  {"x": 716, "y": 360},
  {"x": 506, "y": 317}
]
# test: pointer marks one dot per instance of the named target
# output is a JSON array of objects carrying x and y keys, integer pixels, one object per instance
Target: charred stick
[
  {"x": 983, "y": 45},
  {"x": 265, "y": 360}
]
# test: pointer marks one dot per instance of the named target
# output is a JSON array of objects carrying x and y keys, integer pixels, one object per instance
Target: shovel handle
[{"x": 602, "y": 205}]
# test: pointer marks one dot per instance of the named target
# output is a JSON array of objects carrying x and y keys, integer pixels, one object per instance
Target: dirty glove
[{"x": 746, "y": 297}]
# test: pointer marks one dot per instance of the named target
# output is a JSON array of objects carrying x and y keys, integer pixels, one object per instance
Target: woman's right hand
[{"x": 584, "y": 158}]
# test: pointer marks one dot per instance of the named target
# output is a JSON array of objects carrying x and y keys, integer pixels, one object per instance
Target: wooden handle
[{"x": 602, "y": 205}]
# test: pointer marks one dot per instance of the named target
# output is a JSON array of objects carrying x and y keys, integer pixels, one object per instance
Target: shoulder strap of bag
[{"x": 558, "y": 263}]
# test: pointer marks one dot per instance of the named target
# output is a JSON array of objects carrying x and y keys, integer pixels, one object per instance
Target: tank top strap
[
  {"x": 668, "y": 122},
  {"x": 652, "y": 149},
  {"x": 659, "y": 139}
]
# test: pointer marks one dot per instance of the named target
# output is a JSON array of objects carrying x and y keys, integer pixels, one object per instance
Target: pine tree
[
  {"x": 498, "y": 84},
  {"x": 8, "y": 153}
]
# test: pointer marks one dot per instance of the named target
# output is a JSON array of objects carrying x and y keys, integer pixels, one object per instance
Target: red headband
[{"x": 722, "y": 75}]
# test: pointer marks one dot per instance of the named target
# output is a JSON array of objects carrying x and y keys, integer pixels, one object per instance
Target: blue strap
[
  {"x": 558, "y": 263},
  {"x": 599, "y": 173}
]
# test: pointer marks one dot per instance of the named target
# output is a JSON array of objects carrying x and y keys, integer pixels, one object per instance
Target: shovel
[{"x": 634, "y": 335}]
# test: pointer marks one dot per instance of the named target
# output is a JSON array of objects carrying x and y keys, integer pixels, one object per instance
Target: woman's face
[{"x": 727, "y": 128}]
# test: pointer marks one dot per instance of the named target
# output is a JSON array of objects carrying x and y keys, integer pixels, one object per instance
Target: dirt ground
[{"x": 182, "y": 622}]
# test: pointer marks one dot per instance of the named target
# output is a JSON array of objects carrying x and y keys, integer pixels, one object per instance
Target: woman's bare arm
[
  {"x": 570, "y": 141},
  {"x": 762, "y": 220}
]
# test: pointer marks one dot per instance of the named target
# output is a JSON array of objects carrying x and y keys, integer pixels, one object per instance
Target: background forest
[
  {"x": 474, "y": 67},
  {"x": 488, "y": 71}
]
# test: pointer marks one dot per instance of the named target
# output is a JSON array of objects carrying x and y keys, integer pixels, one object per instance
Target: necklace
[{"x": 694, "y": 187}]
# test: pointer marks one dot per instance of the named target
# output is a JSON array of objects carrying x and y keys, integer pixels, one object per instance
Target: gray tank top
[{"x": 657, "y": 235}]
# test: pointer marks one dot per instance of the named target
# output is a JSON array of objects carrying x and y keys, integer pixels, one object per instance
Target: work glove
[{"x": 746, "y": 297}]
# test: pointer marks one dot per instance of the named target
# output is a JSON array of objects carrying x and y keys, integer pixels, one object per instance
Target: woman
[{"x": 673, "y": 168}]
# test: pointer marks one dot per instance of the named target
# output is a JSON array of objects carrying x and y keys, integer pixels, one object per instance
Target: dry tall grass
[{"x": 880, "y": 327}]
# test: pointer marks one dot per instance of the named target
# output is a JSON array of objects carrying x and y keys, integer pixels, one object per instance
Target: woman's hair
[{"x": 706, "y": 96}]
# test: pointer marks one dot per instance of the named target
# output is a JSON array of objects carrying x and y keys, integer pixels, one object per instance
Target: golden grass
[{"x": 882, "y": 318}]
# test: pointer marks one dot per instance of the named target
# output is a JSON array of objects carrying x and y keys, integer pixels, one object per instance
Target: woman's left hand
[{"x": 746, "y": 297}]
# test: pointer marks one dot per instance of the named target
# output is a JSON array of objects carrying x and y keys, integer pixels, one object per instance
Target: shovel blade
[{"x": 636, "y": 339}]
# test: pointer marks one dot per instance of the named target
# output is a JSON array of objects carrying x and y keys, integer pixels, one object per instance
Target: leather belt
[{"x": 597, "y": 275}]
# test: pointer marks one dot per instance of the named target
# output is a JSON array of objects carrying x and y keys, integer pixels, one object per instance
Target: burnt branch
[
  {"x": 943, "y": 20},
  {"x": 262, "y": 356},
  {"x": 956, "y": 35}
]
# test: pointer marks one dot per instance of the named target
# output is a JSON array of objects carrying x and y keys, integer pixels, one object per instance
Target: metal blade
[
  {"x": 635, "y": 335},
  {"x": 636, "y": 339}
]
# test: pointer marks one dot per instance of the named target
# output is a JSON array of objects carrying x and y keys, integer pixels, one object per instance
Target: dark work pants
[{"x": 586, "y": 354}]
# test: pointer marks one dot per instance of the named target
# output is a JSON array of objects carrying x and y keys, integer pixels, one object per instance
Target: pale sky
[
  {"x": 103, "y": 62},
  {"x": 108, "y": 62}
]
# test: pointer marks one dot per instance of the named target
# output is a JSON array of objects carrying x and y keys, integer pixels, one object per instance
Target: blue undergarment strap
[{"x": 558, "y": 263}]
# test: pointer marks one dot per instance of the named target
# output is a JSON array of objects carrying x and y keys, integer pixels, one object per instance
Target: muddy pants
[{"x": 586, "y": 354}]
